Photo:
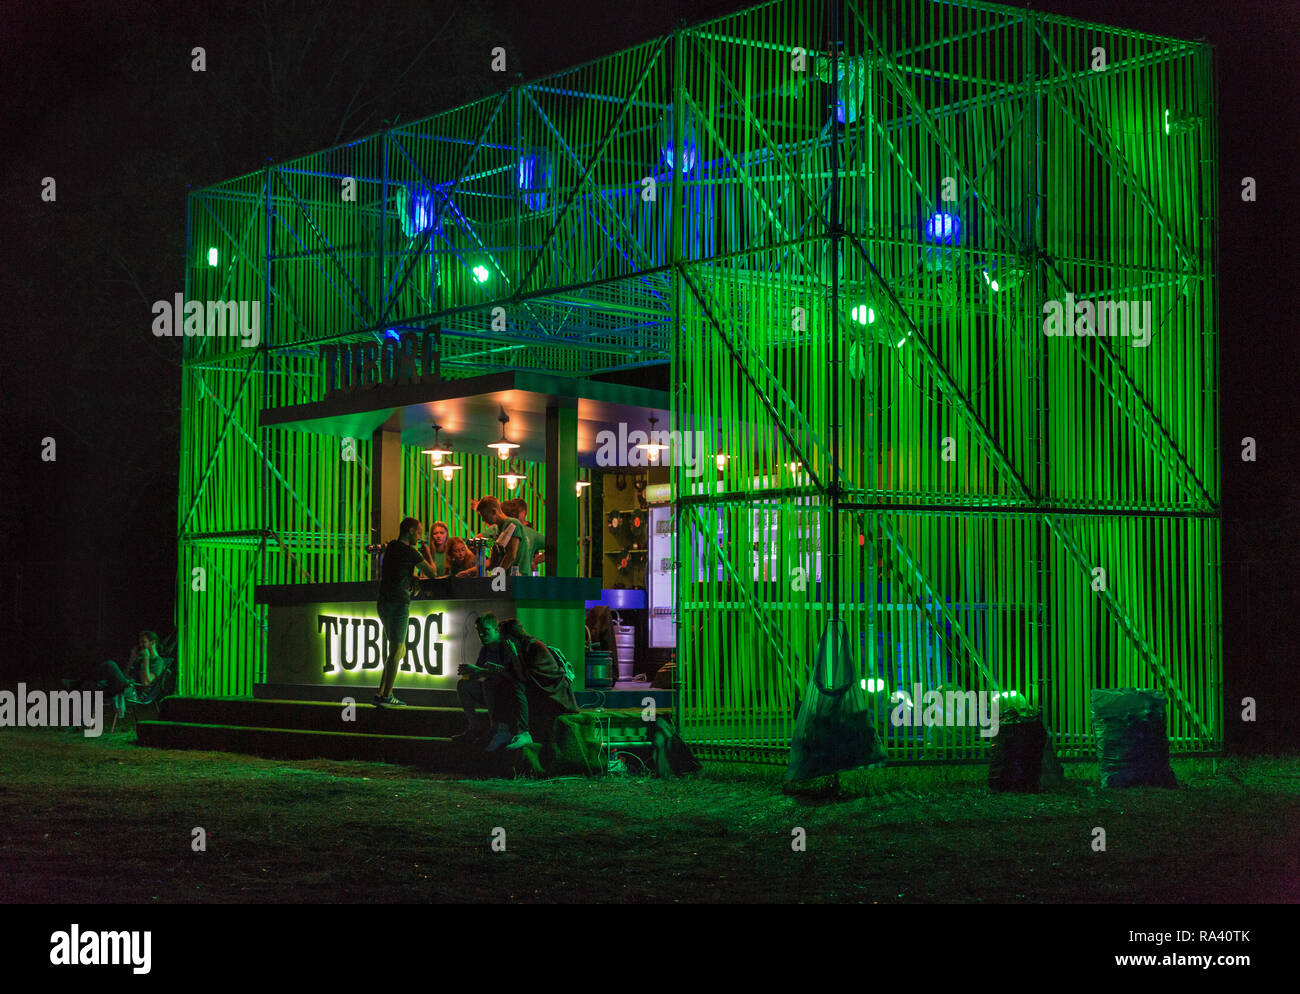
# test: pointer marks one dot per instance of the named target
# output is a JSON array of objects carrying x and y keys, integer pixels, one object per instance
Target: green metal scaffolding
[{"x": 838, "y": 224}]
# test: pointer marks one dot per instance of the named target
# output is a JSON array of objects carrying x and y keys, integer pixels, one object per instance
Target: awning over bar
[
  {"x": 526, "y": 589},
  {"x": 467, "y": 411}
]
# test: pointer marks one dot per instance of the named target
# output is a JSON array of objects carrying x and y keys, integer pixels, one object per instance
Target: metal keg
[
  {"x": 625, "y": 649},
  {"x": 600, "y": 669}
]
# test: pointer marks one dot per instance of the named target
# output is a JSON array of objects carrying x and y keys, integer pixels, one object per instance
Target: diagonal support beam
[
  {"x": 408, "y": 260},
  {"x": 256, "y": 447},
  {"x": 775, "y": 154},
  {"x": 791, "y": 658},
  {"x": 1118, "y": 164},
  {"x": 1058, "y": 528},
  {"x": 239, "y": 600},
  {"x": 930, "y": 603},
  {"x": 216, "y": 448},
  {"x": 746, "y": 363},
  {"x": 947, "y": 385},
  {"x": 644, "y": 261},
  {"x": 585, "y": 178},
  {"x": 330, "y": 251}
]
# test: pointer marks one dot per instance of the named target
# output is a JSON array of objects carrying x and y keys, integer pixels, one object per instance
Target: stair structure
[{"x": 419, "y": 734}]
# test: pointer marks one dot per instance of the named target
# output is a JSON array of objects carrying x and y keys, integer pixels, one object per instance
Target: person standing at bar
[
  {"x": 435, "y": 550},
  {"x": 511, "y": 547},
  {"x": 460, "y": 561},
  {"x": 488, "y": 532},
  {"x": 394, "y": 604},
  {"x": 518, "y": 509}
]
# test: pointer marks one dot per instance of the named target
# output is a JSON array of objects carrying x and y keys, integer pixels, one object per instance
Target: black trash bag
[
  {"x": 1053, "y": 773},
  {"x": 1131, "y": 741},
  {"x": 671, "y": 755},
  {"x": 835, "y": 730},
  {"x": 1016, "y": 754},
  {"x": 575, "y": 746}
]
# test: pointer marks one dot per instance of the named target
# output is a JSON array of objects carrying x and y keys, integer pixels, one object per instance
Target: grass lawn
[{"x": 91, "y": 820}]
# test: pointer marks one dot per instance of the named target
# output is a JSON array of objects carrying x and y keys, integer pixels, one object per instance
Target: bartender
[
  {"x": 512, "y": 547},
  {"x": 518, "y": 509}
]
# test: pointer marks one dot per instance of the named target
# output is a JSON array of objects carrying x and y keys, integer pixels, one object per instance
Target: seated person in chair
[
  {"x": 108, "y": 677},
  {"x": 144, "y": 664}
]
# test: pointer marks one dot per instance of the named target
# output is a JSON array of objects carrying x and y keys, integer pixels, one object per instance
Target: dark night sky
[{"x": 100, "y": 96}]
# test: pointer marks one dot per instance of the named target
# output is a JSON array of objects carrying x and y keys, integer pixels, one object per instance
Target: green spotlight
[
  {"x": 1013, "y": 699},
  {"x": 481, "y": 274},
  {"x": 213, "y": 256},
  {"x": 1180, "y": 122},
  {"x": 863, "y": 314}
]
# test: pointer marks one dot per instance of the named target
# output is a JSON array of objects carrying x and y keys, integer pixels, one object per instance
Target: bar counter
[{"x": 324, "y": 640}]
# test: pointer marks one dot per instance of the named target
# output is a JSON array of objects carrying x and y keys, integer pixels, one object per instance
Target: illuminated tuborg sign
[
  {"x": 352, "y": 642},
  {"x": 340, "y": 644}
]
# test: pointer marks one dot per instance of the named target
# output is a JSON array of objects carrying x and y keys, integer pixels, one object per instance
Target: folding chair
[{"x": 151, "y": 695}]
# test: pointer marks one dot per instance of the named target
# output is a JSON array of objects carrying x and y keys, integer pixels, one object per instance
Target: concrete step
[
  {"x": 313, "y": 729},
  {"x": 428, "y": 752},
  {"x": 317, "y": 716},
  {"x": 362, "y": 695},
  {"x": 616, "y": 697},
  {"x": 619, "y": 697}
]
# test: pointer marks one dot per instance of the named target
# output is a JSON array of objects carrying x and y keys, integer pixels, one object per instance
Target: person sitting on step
[
  {"x": 547, "y": 691},
  {"x": 490, "y": 682}
]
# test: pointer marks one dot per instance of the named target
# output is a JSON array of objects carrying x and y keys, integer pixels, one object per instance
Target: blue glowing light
[
  {"x": 415, "y": 208},
  {"x": 943, "y": 228},
  {"x": 535, "y": 177},
  {"x": 689, "y": 148},
  {"x": 850, "y": 94}
]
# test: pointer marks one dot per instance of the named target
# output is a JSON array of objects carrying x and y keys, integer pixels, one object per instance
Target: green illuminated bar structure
[{"x": 858, "y": 211}]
